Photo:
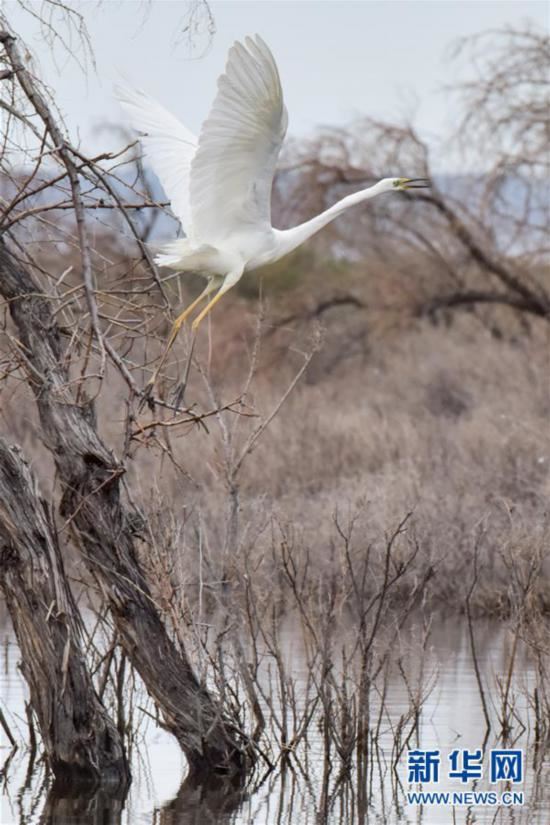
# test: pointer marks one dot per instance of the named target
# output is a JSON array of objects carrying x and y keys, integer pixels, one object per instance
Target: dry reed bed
[
  {"x": 445, "y": 420},
  {"x": 448, "y": 423}
]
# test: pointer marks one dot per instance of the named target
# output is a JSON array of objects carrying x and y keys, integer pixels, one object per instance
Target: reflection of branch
[
  {"x": 210, "y": 803},
  {"x": 472, "y": 640},
  {"x": 71, "y": 804}
]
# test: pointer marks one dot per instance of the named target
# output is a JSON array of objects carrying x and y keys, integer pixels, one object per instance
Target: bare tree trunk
[
  {"x": 91, "y": 502},
  {"x": 81, "y": 741}
]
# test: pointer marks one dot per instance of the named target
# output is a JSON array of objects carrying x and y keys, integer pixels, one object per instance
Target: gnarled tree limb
[
  {"x": 81, "y": 741},
  {"x": 90, "y": 475}
]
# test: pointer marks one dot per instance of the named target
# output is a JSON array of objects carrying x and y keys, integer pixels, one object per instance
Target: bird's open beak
[{"x": 415, "y": 183}]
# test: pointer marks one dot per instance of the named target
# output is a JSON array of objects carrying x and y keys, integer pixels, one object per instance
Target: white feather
[
  {"x": 220, "y": 187},
  {"x": 233, "y": 168},
  {"x": 167, "y": 144}
]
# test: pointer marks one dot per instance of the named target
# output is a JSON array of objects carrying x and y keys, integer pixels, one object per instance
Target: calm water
[{"x": 451, "y": 718}]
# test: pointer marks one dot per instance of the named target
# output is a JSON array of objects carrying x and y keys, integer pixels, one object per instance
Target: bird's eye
[{"x": 396, "y": 183}]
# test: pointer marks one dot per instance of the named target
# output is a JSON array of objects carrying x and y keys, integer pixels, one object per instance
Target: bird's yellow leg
[
  {"x": 208, "y": 307},
  {"x": 176, "y": 326}
]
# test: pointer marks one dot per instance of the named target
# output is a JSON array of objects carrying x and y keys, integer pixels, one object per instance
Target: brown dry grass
[{"x": 448, "y": 420}]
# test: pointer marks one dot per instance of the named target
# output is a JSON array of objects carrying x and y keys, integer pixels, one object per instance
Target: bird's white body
[
  {"x": 253, "y": 246},
  {"x": 248, "y": 249},
  {"x": 219, "y": 185}
]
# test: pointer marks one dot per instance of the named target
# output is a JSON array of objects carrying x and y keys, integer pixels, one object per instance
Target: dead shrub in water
[{"x": 304, "y": 651}]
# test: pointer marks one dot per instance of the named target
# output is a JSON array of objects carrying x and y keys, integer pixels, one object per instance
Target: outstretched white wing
[
  {"x": 167, "y": 144},
  {"x": 232, "y": 170}
]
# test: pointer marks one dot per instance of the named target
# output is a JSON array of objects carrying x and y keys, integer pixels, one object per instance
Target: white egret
[{"x": 219, "y": 186}]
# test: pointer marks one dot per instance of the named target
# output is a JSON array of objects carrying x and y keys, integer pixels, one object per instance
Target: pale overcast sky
[{"x": 337, "y": 59}]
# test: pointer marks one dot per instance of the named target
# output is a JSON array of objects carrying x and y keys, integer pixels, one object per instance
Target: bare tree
[{"x": 105, "y": 526}]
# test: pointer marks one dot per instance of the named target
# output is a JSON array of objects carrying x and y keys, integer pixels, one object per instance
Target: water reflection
[
  {"x": 298, "y": 791},
  {"x": 79, "y": 809}
]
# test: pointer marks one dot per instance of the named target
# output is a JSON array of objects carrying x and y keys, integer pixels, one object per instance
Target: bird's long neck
[{"x": 289, "y": 239}]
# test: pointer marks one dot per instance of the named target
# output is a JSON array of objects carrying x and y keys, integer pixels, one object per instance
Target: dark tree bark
[
  {"x": 106, "y": 528},
  {"x": 82, "y": 743}
]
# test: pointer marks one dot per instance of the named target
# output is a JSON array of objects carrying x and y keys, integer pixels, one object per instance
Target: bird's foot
[
  {"x": 147, "y": 397},
  {"x": 179, "y": 396}
]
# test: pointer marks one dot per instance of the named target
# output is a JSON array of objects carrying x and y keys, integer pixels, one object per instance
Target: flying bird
[{"x": 219, "y": 185}]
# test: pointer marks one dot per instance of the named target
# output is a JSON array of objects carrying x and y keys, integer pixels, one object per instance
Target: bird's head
[{"x": 402, "y": 184}]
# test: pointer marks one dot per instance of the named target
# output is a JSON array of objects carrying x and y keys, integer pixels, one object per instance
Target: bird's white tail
[{"x": 182, "y": 255}]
